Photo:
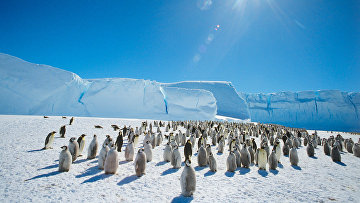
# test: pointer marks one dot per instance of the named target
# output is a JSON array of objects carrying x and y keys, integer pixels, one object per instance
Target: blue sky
[{"x": 258, "y": 45}]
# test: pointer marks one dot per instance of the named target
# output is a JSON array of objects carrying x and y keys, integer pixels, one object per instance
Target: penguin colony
[{"x": 235, "y": 142}]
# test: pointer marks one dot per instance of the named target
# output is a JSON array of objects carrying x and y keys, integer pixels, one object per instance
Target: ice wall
[{"x": 324, "y": 109}]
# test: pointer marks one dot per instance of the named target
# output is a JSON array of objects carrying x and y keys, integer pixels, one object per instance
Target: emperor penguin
[
  {"x": 214, "y": 140},
  {"x": 188, "y": 180},
  {"x": 153, "y": 141},
  {"x": 294, "y": 159},
  {"x": 296, "y": 142},
  {"x": 49, "y": 140},
  {"x": 129, "y": 151},
  {"x": 252, "y": 154},
  {"x": 335, "y": 154},
  {"x": 231, "y": 162},
  {"x": 192, "y": 140},
  {"x": 253, "y": 144},
  {"x": 310, "y": 150},
  {"x": 102, "y": 156},
  {"x": 65, "y": 159},
  {"x": 62, "y": 131},
  {"x": 237, "y": 156},
  {"x": 356, "y": 149},
  {"x": 119, "y": 141},
  {"x": 111, "y": 162},
  {"x": 202, "y": 156},
  {"x": 212, "y": 163},
  {"x": 73, "y": 148},
  {"x": 140, "y": 163},
  {"x": 108, "y": 140},
  {"x": 262, "y": 159},
  {"x": 71, "y": 120},
  {"x": 176, "y": 158},
  {"x": 273, "y": 162},
  {"x": 277, "y": 150},
  {"x": 327, "y": 148},
  {"x": 183, "y": 139},
  {"x": 245, "y": 157},
  {"x": 208, "y": 151},
  {"x": 167, "y": 152},
  {"x": 285, "y": 149},
  {"x": 148, "y": 151},
  {"x": 221, "y": 145},
  {"x": 81, "y": 142},
  {"x": 305, "y": 141},
  {"x": 159, "y": 139},
  {"x": 188, "y": 150},
  {"x": 93, "y": 148}
]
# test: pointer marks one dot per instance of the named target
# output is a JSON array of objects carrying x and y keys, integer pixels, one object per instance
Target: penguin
[
  {"x": 176, "y": 158},
  {"x": 349, "y": 147},
  {"x": 102, "y": 156},
  {"x": 93, "y": 148},
  {"x": 49, "y": 140},
  {"x": 335, "y": 154},
  {"x": 252, "y": 155},
  {"x": 245, "y": 157},
  {"x": 254, "y": 146},
  {"x": 202, "y": 156},
  {"x": 98, "y": 126},
  {"x": 71, "y": 120},
  {"x": 285, "y": 149},
  {"x": 62, "y": 131},
  {"x": 212, "y": 162},
  {"x": 296, "y": 143},
  {"x": 115, "y": 127},
  {"x": 237, "y": 156},
  {"x": 277, "y": 150},
  {"x": 167, "y": 152},
  {"x": 262, "y": 159},
  {"x": 273, "y": 162},
  {"x": 192, "y": 140},
  {"x": 305, "y": 141},
  {"x": 188, "y": 150},
  {"x": 310, "y": 150},
  {"x": 46, "y": 116},
  {"x": 356, "y": 149},
  {"x": 129, "y": 151},
  {"x": 326, "y": 148},
  {"x": 111, "y": 162},
  {"x": 73, "y": 148},
  {"x": 148, "y": 151},
  {"x": 159, "y": 139},
  {"x": 294, "y": 159},
  {"x": 188, "y": 180},
  {"x": 221, "y": 146},
  {"x": 108, "y": 141},
  {"x": 140, "y": 163},
  {"x": 65, "y": 159},
  {"x": 153, "y": 141},
  {"x": 231, "y": 162},
  {"x": 81, "y": 142},
  {"x": 119, "y": 142},
  {"x": 208, "y": 151}
]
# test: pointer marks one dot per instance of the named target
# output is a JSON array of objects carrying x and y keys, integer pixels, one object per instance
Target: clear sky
[{"x": 258, "y": 45}]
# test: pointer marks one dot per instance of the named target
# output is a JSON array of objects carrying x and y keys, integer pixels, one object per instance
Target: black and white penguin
[
  {"x": 212, "y": 163},
  {"x": 148, "y": 151},
  {"x": 49, "y": 140},
  {"x": 65, "y": 159},
  {"x": 294, "y": 159},
  {"x": 356, "y": 149},
  {"x": 277, "y": 149},
  {"x": 327, "y": 148},
  {"x": 102, "y": 156},
  {"x": 245, "y": 157},
  {"x": 262, "y": 159},
  {"x": 115, "y": 127},
  {"x": 111, "y": 162},
  {"x": 273, "y": 162},
  {"x": 335, "y": 154},
  {"x": 231, "y": 162},
  {"x": 129, "y": 151},
  {"x": 140, "y": 163},
  {"x": 253, "y": 144},
  {"x": 81, "y": 142},
  {"x": 93, "y": 148},
  {"x": 73, "y": 148},
  {"x": 108, "y": 141},
  {"x": 188, "y": 180},
  {"x": 62, "y": 131},
  {"x": 202, "y": 157},
  {"x": 176, "y": 158},
  {"x": 119, "y": 142},
  {"x": 71, "y": 120},
  {"x": 167, "y": 152},
  {"x": 310, "y": 150},
  {"x": 188, "y": 150}
]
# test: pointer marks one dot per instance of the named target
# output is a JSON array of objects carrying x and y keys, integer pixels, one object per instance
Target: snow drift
[{"x": 323, "y": 109}]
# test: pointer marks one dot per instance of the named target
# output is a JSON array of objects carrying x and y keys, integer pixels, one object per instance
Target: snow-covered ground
[{"x": 29, "y": 174}]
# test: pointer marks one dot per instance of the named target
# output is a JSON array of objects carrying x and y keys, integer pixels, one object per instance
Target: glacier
[{"x": 33, "y": 89}]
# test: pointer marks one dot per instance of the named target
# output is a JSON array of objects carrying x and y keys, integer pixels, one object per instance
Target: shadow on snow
[
  {"x": 44, "y": 175},
  {"x": 127, "y": 180},
  {"x": 169, "y": 171},
  {"x": 182, "y": 199}
]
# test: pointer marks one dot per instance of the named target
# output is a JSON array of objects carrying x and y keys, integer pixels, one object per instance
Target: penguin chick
[
  {"x": 129, "y": 152},
  {"x": 335, "y": 154},
  {"x": 294, "y": 159},
  {"x": 73, "y": 148},
  {"x": 140, "y": 163},
  {"x": 212, "y": 163},
  {"x": 148, "y": 151},
  {"x": 102, "y": 156},
  {"x": 62, "y": 131},
  {"x": 327, "y": 148},
  {"x": 356, "y": 149},
  {"x": 188, "y": 180},
  {"x": 310, "y": 150},
  {"x": 176, "y": 158},
  {"x": 93, "y": 148},
  {"x": 245, "y": 157},
  {"x": 167, "y": 152},
  {"x": 111, "y": 162},
  {"x": 231, "y": 162},
  {"x": 202, "y": 157},
  {"x": 273, "y": 162},
  {"x": 65, "y": 159}
]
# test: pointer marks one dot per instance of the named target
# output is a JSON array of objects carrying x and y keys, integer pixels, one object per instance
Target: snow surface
[
  {"x": 323, "y": 109},
  {"x": 30, "y": 174}
]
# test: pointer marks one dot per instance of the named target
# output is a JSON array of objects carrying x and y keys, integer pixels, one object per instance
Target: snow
[
  {"x": 30, "y": 174},
  {"x": 322, "y": 109}
]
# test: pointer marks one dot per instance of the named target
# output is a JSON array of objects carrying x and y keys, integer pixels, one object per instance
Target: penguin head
[
  {"x": 107, "y": 136},
  {"x": 83, "y": 135},
  {"x": 72, "y": 139},
  {"x": 94, "y": 136},
  {"x": 53, "y": 132},
  {"x": 64, "y": 147},
  {"x": 188, "y": 162}
]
